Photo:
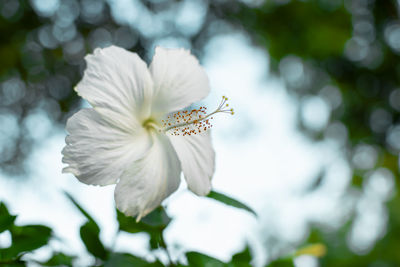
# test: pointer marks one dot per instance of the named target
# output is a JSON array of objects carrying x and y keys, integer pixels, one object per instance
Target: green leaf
[
  {"x": 287, "y": 262},
  {"x": 128, "y": 260},
  {"x": 157, "y": 220},
  {"x": 79, "y": 207},
  {"x": 24, "y": 239},
  {"x": 128, "y": 224},
  {"x": 230, "y": 201},
  {"x": 6, "y": 219},
  {"x": 291, "y": 25},
  {"x": 29, "y": 237},
  {"x": 196, "y": 259},
  {"x": 90, "y": 236},
  {"x": 242, "y": 259},
  {"x": 16, "y": 263},
  {"x": 153, "y": 224},
  {"x": 59, "y": 259},
  {"x": 89, "y": 233}
]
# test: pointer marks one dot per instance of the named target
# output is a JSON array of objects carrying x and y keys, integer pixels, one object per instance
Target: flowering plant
[{"x": 136, "y": 134}]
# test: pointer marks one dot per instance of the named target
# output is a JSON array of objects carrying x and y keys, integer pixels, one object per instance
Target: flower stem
[{"x": 164, "y": 246}]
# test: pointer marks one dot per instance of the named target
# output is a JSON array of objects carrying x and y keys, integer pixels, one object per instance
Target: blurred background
[{"x": 313, "y": 147}]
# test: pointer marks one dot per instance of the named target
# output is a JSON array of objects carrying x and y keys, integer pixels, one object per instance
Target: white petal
[
  {"x": 117, "y": 84},
  {"x": 149, "y": 180},
  {"x": 97, "y": 153},
  {"x": 197, "y": 158},
  {"x": 178, "y": 78}
]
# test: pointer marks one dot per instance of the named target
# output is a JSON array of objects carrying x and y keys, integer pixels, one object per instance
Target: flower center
[
  {"x": 150, "y": 123},
  {"x": 188, "y": 122}
]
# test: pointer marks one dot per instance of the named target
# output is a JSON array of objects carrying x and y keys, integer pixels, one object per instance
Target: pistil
[
  {"x": 150, "y": 123},
  {"x": 194, "y": 121}
]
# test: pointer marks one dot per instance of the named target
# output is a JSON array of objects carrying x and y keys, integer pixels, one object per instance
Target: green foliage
[
  {"x": 230, "y": 201},
  {"x": 384, "y": 253},
  {"x": 24, "y": 239},
  {"x": 196, "y": 259},
  {"x": 15, "y": 263},
  {"x": 80, "y": 208},
  {"x": 242, "y": 259},
  {"x": 90, "y": 233},
  {"x": 59, "y": 259},
  {"x": 319, "y": 33},
  {"x": 288, "y": 262},
  {"x": 153, "y": 224},
  {"x": 299, "y": 27},
  {"x": 6, "y": 220},
  {"x": 29, "y": 237},
  {"x": 128, "y": 260}
]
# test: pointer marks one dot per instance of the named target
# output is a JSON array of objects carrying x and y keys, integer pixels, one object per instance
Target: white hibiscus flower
[{"x": 131, "y": 137}]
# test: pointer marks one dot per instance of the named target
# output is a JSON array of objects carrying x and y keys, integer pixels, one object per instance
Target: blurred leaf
[
  {"x": 291, "y": 29},
  {"x": 357, "y": 180},
  {"x": 6, "y": 219},
  {"x": 157, "y": 240},
  {"x": 90, "y": 236},
  {"x": 196, "y": 259},
  {"x": 90, "y": 232},
  {"x": 230, "y": 201},
  {"x": 12, "y": 263},
  {"x": 154, "y": 221},
  {"x": 128, "y": 260},
  {"x": 29, "y": 237},
  {"x": 241, "y": 259},
  {"x": 59, "y": 259},
  {"x": 24, "y": 239},
  {"x": 79, "y": 207},
  {"x": 153, "y": 224},
  {"x": 157, "y": 218},
  {"x": 287, "y": 262},
  {"x": 129, "y": 224}
]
